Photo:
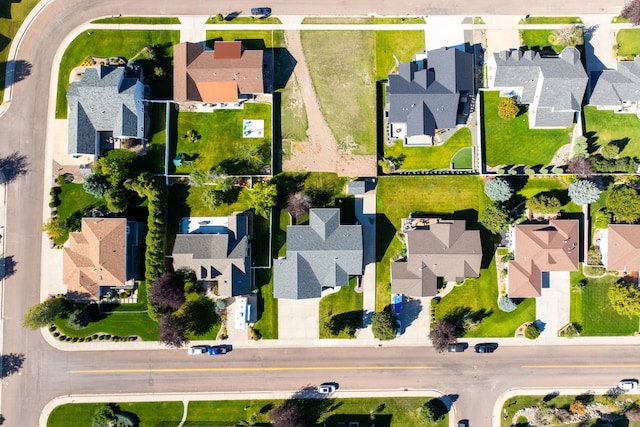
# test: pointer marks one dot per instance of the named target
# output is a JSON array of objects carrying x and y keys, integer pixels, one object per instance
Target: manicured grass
[
  {"x": 423, "y": 158},
  {"x": 152, "y": 20},
  {"x": 511, "y": 142},
  {"x": 294, "y": 123},
  {"x": 592, "y": 310},
  {"x": 245, "y": 20},
  {"x": 358, "y": 20},
  {"x": 260, "y": 243},
  {"x": 619, "y": 20},
  {"x": 628, "y": 42},
  {"x": 479, "y": 298},
  {"x": 539, "y": 40},
  {"x": 463, "y": 159},
  {"x": 157, "y": 142},
  {"x": 74, "y": 199},
  {"x": 12, "y": 14},
  {"x": 341, "y": 64},
  {"x": 460, "y": 197},
  {"x": 107, "y": 43},
  {"x": 267, "y": 324},
  {"x": 551, "y": 186},
  {"x": 221, "y": 139},
  {"x": 251, "y": 39},
  {"x": 198, "y": 208},
  {"x": 402, "y": 44},
  {"x": 151, "y": 414},
  {"x": 280, "y": 233},
  {"x": 551, "y": 20},
  {"x": 345, "y": 302},
  {"x": 604, "y": 127}
]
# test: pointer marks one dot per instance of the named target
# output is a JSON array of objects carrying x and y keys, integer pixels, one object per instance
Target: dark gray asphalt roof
[{"x": 615, "y": 86}]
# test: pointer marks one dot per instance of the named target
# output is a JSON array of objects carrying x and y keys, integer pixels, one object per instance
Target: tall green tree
[
  {"x": 624, "y": 203},
  {"x": 495, "y": 218},
  {"x": 544, "y": 204},
  {"x": 43, "y": 314},
  {"x": 583, "y": 192},
  {"x": 263, "y": 197},
  {"x": 625, "y": 299},
  {"x": 115, "y": 165},
  {"x": 383, "y": 324},
  {"x": 498, "y": 189}
]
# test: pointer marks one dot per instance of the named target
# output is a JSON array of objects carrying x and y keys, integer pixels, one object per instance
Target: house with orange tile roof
[
  {"x": 226, "y": 74},
  {"x": 104, "y": 256},
  {"x": 539, "y": 249},
  {"x": 620, "y": 247}
]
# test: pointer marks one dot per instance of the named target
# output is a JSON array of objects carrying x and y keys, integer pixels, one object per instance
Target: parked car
[
  {"x": 217, "y": 349},
  {"x": 398, "y": 328},
  {"x": 199, "y": 349},
  {"x": 458, "y": 347},
  {"x": 486, "y": 347},
  {"x": 261, "y": 11},
  {"x": 327, "y": 388},
  {"x": 628, "y": 384}
]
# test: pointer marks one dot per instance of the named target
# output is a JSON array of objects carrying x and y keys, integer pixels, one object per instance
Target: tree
[
  {"x": 432, "y": 411},
  {"x": 532, "y": 331},
  {"x": 625, "y": 298},
  {"x": 610, "y": 151},
  {"x": 508, "y": 108},
  {"x": 115, "y": 166},
  {"x": 569, "y": 35},
  {"x": 212, "y": 198},
  {"x": 442, "y": 334},
  {"x": 299, "y": 204},
  {"x": 583, "y": 192},
  {"x": 498, "y": 189},
  {"x": 631, "y": 11},
  {"x": 495, "y": 218},
  {"x": 79, "y": 319},
  {"x": 624, "y": 203},
  {"x": 287, "y": 415},
  {"x": 578, "y": 407},
  {"x": 43, "y": 314},
  {"x": 116, "y": 199},
  {"x": 543, "y": 204},
  {"x": 96, "y": 185},
  {"x": 167, "y": 293},
  {"x": 172, "y": 330},
  {"x": 55, "y": 228},
  {"x": 580, "y": 147},
  {"x": 251, "y": 155},
  {"x": 104, "y": 415},
  {"x": 262, "y": 198},
  {"x": 384, "y": 325},
  {"x": 199, "y": 314},
  {"x": 216, "y": 178},
  {"x": 580, "y": 166}
]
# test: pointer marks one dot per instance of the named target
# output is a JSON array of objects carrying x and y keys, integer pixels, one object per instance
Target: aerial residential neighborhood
[{"x": 337, "y": 215}]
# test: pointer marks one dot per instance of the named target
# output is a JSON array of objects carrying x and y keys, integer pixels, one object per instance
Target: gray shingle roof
[
  {"x": 426, "y": 94},
  {"x": 104, "y": 100},
  {"x": 320, "y": 255},
  {"x": 613, "y": 87},
  {"x": 554, "y": 85}
]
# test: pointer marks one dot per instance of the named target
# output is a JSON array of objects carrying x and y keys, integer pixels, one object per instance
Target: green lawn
[
  {"x": 549, "y": 185},
  {"x": 280, "y": 232},
  {"x": 251, "y": 39},
  {"x": 604, "y": 127},
  {"x": 424, "y": 158},
  {"x": 221, "y": 140},
  {"x": 157, "y": 142},
  {"x": 551, "y": 20},
  {"x": 346, "y": 303},
  {"x": 107, "y": 43},
  {"x": 398, "y": 197},
  {"x": 402, "y": 44},
  {"x": 539, "y": 40},
  {"x": 267, "y": 324},
  {"x": 362, "y": 20},
  {"x": 342, "y": 68},
  {"x": 512, "y": 142},
  {"x": 628, "y": 42},
  {"x": 151, "y": 414},
  {"x": 13, "y": 13},
  {"x": 245, "y": 20},
  {"x": 149, "y": 20},
  {"x": 592, "y": 310},
  {"x": 463, "y": 159},
  {"x": 74, "y": 199}
]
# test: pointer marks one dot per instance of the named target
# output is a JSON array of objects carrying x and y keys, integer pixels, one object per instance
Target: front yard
[
  {"x": 512, "y": 142},
  {"x": 603, "y": 127},
  {"x": 345, "y": 306},
  {"x": 628, "y": 42}
]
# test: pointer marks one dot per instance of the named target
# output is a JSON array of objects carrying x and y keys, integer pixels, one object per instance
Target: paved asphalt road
[{"x": 46, "y": 371}]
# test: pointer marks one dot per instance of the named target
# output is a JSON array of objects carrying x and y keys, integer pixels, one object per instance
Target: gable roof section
[
  {"x": 425, "y": 94},
  {"x": 623, "y": 247},
  {"x": 320, "y": 255},
  {"x": 444, "y": 249},
  {"x": 96, "y": 256},
  {"x": 613, "y": 87},
  {"x": 541, "y": 248},
  {"x": 216, "y": 76}
]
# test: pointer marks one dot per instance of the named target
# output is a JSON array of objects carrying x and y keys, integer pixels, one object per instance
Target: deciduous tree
[
  {"x": 580, "y": 166},
  {"x": 495, "y": 218},
  {"x": 43, "y": 314},
  {"x": 167, "y": 293},
  {"x": 172, "y": 330},
  {"x": 569, "y": 35},
  {"x": 442, "y": 334},
  {"x": 508, "y": 108},
  {"x": 631, "y": 11},
  {"x": 299, "y": 204},
  {"x": 624, "y": 203},
  {"x": 544, "y": 204},
  {"x": 625, "y": 299},
  {"x": 263, "y": 197},
  {"x": 287, "y": 414}
]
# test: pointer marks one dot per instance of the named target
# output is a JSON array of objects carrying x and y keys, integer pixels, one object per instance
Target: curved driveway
[{"x": 47, "y": 372}]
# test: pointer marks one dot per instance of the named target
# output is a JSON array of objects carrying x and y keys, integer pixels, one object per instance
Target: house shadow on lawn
[
  {"x": 385, "y": 233},
  {"x": 251, "y": 44}
]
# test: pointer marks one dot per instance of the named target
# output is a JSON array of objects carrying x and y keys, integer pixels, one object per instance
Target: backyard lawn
[
  {"x": 478, "y": 298},
  {"x": 108, "y": 43},
  {"x": 512, "y": 142},
  {"x": 346, "y": 303},
  {"x": 251, "y": 39},
  {"x": 604, "y": 127},
  {"x": 154, "y": 159},
  {"x": 628, "y": 42},
  {"x": 438, "y": 157},
  {"x": 550, "y": 186},
  {"x": 150, "y": 414},
  {"x": 398, "y": 197},
  {"x": 342, "y": 68},
  {"x": 220, "y": 140},
  {"x": 592, "y": 310}
]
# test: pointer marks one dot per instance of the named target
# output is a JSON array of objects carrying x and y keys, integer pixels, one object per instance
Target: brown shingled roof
[
  {"x": 623, "y": 247},
  {"x": 541, "y": 248}
]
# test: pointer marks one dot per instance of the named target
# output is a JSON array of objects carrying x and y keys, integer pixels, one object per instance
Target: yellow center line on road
[
  {"x": 301, "y": 368},
  {"x": 579, "y": 366}
]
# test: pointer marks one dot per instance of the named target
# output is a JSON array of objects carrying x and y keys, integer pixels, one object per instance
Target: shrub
[
  {"x": 508, "y": 108},
  {"x": 532, "y": 331},
  {"x": 506, "y": 304},
  {"x": 610, "y": 151},
  {"x": 62, "y": 338},
  {"x": 543, "y": 204},
  {"x": 568, "y": 36}
]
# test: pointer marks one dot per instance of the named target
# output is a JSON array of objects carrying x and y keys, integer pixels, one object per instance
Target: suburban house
[
  {"x": 102, "y": 258},
  {"x": 322, "y": 254},
  {"x": 552, "y": 86},
  {"x": 226, "y": 74},
  {"x": 620, "y": 247},
  {"x": 105, "y": 107},
  {"x": 619, "y": 89},
  {"x": 218, "y": 250},
  {"x": 539, "y": 249},
  {"x": 428, "y": 94},
  {"x": 437, "y": 249}
]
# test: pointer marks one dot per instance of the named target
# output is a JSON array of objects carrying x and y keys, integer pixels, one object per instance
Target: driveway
[
  {"x": 444, "y": 31},
  {"x": 298, "y": 319},
  {"x": 552, "y": 308}
]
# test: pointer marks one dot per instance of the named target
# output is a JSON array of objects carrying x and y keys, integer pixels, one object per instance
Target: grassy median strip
[{"x": 148, "y": 20}]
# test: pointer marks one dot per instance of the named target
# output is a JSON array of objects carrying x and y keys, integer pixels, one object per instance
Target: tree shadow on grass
[
  {"x": 621, "y": 143},
  {"x": 311, "y": 403}
]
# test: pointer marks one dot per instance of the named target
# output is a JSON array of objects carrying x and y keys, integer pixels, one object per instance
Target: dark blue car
[{"x": 261, "y": 11}]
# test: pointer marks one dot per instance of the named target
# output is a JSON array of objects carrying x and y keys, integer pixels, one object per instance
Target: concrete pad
[
  {"x": 51, "y": 270},
  {"x": 415, "y": 318},
  {"x": 444, "y": 31},
  {"x": 552, "y": 308},
  {"x": 298, "y": 319},
  {"x": 500, "y": 39},
  {"x": 600, "y": 38},
  {"x": 192, "y": 29}
]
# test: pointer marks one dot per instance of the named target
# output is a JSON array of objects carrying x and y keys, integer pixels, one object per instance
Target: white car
[
  {"x": 327, "y": 388},
  {"x": 628, "y": 384},
  {"x": 199, "y": 349}
]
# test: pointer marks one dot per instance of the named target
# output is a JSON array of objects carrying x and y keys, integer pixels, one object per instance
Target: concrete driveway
[
  {"x": 298, "y": 319},
  {"x": 552, "y": 308}
]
